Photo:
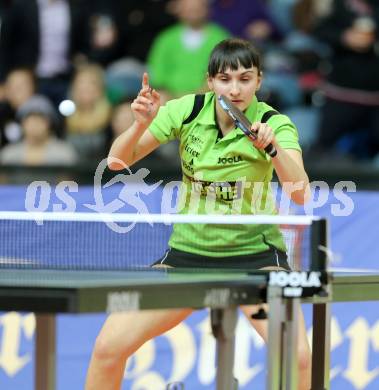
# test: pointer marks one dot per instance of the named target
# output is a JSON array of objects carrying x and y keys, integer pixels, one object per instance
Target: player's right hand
[{"x": 146, "y": 105}]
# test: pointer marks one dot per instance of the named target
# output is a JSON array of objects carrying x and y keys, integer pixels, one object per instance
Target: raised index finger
[{"x": 145, "y": 81}]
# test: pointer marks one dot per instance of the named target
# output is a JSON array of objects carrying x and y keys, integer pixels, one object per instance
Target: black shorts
[{"x": 270, "y": 258}]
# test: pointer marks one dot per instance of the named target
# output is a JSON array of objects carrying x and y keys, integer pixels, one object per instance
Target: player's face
[{"x": 239, "y": 85}]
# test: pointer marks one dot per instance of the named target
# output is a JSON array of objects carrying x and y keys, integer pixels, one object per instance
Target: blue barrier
[{"x": 186, "y": 353}]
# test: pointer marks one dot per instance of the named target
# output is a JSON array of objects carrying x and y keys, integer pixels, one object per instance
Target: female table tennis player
[{"x": 214, "y": 150}]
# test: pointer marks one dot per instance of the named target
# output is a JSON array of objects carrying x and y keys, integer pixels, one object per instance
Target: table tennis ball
[{"x": 67, "y": 107}]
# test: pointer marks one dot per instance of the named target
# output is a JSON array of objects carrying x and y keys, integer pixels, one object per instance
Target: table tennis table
[{"x": 49, "y": 292}]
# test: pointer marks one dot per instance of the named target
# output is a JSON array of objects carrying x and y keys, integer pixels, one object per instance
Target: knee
[{"x": 109, "y": 354}]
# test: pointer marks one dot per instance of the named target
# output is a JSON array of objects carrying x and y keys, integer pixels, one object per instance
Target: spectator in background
[
  {"x": 248, "y": 19},
  {"x": 301, "y": 43},
  {"x": 179, "y": 55},
  {"x": 122, "y": 119},
  {"x": 126, "y": 30},
  {"x": 39, "y": 145},
  {"x": 139, "y": 23},
  {"x": 104, "y": 32},
  {"x": 86, "y": 127},
  {"x": 307, "y": 56},
  {"x": 44, "y": 35},
  {"x": 19, "y": 86},
  {"x": 253, "y": 20},
  {"x": 352, "y": 85}
]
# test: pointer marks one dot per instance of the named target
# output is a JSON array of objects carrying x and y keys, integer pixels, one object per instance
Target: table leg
[
  {"x": 223, "y": 326},
  {"x": 290, "y": 352},
  {"x": 276, "y": 316},
  {"x": 321, "y": 347},
  {"x": 45, "y": 342}
]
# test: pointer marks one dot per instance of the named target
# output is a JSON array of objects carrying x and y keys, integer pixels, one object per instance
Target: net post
[
  {"x": 45, "y": 352},
  {"x": 319, "y": 245},
  {"x": 321, "y": 311}
]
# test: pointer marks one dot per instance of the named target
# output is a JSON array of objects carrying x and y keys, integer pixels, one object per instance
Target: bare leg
[
  {"x": 304, "y": 351},
  {"x": 122, "y": 335}
]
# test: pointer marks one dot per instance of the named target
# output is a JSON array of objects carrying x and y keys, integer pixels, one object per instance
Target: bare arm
[
  {"x": 288, "y": 165},
  {"x": 137, "y": 141}
]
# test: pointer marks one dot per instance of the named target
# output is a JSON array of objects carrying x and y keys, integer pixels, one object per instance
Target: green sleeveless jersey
[{"x": 222, "y": 175}]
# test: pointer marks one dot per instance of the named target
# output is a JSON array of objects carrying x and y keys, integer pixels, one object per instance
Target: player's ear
[{"x": 260, "y": 78}]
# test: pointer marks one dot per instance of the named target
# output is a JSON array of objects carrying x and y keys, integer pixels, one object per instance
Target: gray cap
[{"x": 38, "y": 104}]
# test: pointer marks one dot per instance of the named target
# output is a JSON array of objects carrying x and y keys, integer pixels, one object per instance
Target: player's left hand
[
  {"x": 265, "y": 135},
  {"x": 146, "y": 105}
]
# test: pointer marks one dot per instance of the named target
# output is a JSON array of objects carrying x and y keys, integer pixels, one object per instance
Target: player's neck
[
  {"x": 222, "y": 118},
  {"x": 223, "y": 121}
]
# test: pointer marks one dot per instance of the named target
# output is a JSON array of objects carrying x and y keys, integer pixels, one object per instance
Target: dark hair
[{"x": 231, "y": 54}]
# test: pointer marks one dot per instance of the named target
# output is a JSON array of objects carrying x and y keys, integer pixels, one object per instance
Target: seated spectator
[
  {"x": 254, "y": 21},
  {"x": 178, "y": 58},
  {"x": 19, "y": 86},
  {"x": 248, "y": 19},
  {"x": 308, "y": 51},
  {"x": 122, "y": 119},
  {"x": 85, "y": 128},
  {"x": 306, "y": 55},
  {"x": 39, "y": 146},
  {"x": 123, "y": 79},
  {"x": 350, "y": 115}
]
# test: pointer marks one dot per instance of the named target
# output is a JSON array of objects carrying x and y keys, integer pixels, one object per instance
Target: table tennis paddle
[{"x": 241, "y": 121}]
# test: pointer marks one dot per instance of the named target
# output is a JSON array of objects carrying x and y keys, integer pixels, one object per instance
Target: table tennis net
[{"x": 90, "y": 241}]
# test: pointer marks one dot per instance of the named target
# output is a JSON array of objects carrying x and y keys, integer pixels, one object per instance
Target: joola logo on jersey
[{"x": 229, "y": 160}]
